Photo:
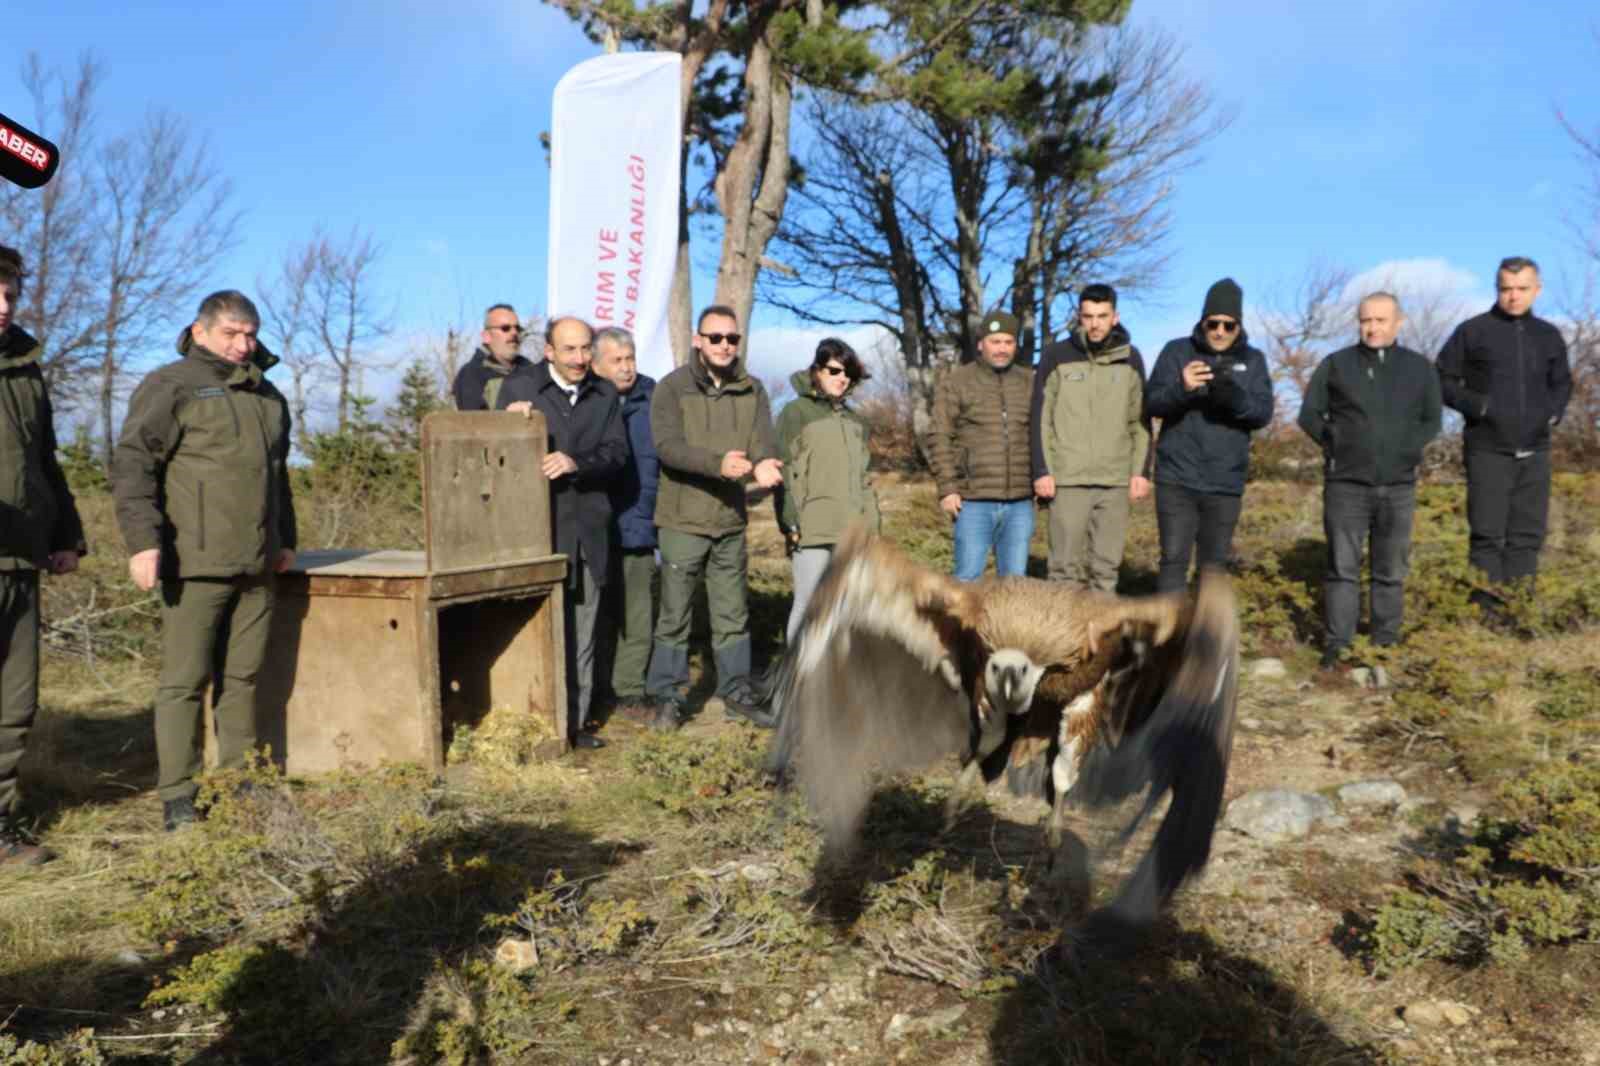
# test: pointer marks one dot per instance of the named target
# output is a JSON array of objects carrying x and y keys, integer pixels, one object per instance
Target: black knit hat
[
  {"x": 1224, "y": 298},
  {"x": 999, "y": 322}
]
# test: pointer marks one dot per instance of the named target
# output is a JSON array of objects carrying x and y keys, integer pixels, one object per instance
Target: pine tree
[{"x": 418, "y": 398}]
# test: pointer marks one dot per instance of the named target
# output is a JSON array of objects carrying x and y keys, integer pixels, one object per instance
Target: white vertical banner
[{"x": 614, "y": 151}]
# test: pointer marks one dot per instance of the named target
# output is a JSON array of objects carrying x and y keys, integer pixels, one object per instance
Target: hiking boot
[
  {"x": 743, "y": 701},
  {"x": 17, "y": 847},
  {"x": 178, "y": 814},
  {"x": 1330, "y": 658},
  {"x": 669, "y": 714},
  {"x": 635, "y": 709}
]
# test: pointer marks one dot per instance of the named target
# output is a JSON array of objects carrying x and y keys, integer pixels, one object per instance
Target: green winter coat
[
  {"x": 201, "y": 470},
  {"x": 1091, "y": 424},
  {"x": 979, "y": 448},
  {"x": 824, "y": 450},
  {"x": 695, "y": 423},
  {"x": 37, "y": 512}
]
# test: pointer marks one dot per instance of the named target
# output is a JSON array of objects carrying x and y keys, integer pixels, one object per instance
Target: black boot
[{"x": 178, "y": 814}]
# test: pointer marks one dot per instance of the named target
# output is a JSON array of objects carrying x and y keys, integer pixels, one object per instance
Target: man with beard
[
  {"x": 1090, "y": 442},
  {"x": 477, "y": 385},
  {"x": 1210, "y": 390}
]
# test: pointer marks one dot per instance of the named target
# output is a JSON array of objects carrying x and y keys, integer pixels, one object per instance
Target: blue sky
[{"x": 1415, "y": 139}]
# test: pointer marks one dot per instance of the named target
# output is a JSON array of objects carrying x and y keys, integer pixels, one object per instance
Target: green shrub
[{"x": 1530, "y": 877}]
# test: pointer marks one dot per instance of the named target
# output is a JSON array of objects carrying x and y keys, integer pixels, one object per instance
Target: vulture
[{"x": 1074, "y": 696}]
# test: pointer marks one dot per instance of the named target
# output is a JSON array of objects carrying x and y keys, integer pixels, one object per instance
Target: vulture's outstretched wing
[
  {"x": 1178, "y": 713},
  {"x": 874, "y": 679}
]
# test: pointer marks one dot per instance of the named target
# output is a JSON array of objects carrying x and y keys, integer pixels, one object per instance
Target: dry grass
[{"x": 354, "y": 919}]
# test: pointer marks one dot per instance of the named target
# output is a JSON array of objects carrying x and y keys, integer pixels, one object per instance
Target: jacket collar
[
  {"x": 18, "y": 348},
  {"x": 485, "y": 358},
  {"x": 546, "y": 379},
  {"x": 736, "y": 381},
  {"x": 1498, "y": 312},
  {"x": 253, "y": 369},
  {"x": 644, "y": 386},
  {"x": 1114, "y": 348}
]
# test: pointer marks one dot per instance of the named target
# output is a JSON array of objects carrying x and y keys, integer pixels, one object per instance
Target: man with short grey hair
[
  {"x": 1506, "y": 371},
  {"x": 477, "y": 384},
  {"x": 201, "y": 482},
  {"x": 1371, "y": 407},
  {"x": 626, "y": 654}
]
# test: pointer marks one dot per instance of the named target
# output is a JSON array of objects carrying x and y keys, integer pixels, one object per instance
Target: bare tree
[
  {"x": 286, "y": 305},
  {"x": 344, "y": 313},
  {"x": 1296, "y": 329},
  {"x": 53, "y": 227},
  {"x": 164, "y": 217}
]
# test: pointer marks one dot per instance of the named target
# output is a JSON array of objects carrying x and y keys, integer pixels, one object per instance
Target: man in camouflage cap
[{"x": 981, "y": 455}]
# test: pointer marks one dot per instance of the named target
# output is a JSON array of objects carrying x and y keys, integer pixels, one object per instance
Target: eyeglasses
[
  {"x": 1226, "y": 325},
  {"x": 506, "y": 329},
  {"x": 718, "y": 338},
  {"x": 833, "y": 371}
]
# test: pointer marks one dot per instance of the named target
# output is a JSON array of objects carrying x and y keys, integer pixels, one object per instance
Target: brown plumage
[{"x": 1073, "y": 695}]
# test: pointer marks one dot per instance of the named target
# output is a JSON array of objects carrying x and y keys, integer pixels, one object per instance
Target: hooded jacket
[
  {"x": 589, "y": 432},
  {"x": 633, "y": 492},
  {"x": 823, "y": 445},
  {"x": 979, "y": 447},
  {"x": 1204, "y": 443},
  {"x": 37, "y": 512},
  {"x": 201, "y": 469},
  {"x": 1372, "y": 411},
  {"x": 477, "y": 384},
  {"x": 1509, "y": 377},
  {"x": 1088, "y": 425},
  {"x": 695, "y": 422}
]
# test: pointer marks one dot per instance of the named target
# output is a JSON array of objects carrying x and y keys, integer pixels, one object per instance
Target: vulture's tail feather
[{"x": 1182, "y": 748}]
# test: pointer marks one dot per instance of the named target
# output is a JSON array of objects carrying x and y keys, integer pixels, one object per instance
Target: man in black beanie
[{"x": 1209, "y": 390}]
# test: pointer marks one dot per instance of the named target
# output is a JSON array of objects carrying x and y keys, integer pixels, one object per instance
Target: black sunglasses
[
  {"x": 718, "y": 338},
  {"x": 834, "y": 371},
  {"x": 1226, "y": 325},
  {"x": 507, "y": 329}
]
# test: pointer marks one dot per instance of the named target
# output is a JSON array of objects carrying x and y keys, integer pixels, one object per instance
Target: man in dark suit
[{"x": 587, "y": 449}]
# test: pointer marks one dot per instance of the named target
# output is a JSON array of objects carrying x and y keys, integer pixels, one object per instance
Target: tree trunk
[{"x": 760, "y": 153}]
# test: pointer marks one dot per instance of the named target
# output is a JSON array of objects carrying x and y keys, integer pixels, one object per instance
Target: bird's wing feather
[
  {"x": 1177, "y": 713},
  {"x": 873, "y": 680}
]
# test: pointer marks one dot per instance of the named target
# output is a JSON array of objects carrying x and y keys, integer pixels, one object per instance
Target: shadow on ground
[{"x": 1167, "y": 996}]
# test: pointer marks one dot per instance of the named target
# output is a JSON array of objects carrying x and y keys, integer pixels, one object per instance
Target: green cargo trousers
[
  {"x": 723, "y": 563},
  {"x": 19, "y": 676},
  {"x": 633, "y": 572},
  {"x": 212, "y": 630}
]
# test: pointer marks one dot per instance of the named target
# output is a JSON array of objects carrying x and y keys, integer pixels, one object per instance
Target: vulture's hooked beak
[{"x": 1010, "y": 678}]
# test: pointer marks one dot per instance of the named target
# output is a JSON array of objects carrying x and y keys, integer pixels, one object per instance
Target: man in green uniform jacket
[
  {"x": 39, "y": 530},
  {"x": 712, "y": 426},
  {"x": 202, "y": 491}
]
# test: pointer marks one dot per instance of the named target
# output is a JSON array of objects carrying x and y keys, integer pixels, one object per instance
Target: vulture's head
[{"x": 1009, "y": 680}]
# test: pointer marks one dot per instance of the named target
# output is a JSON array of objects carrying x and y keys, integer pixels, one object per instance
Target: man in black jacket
[
  {"x": 1506, "y": 371},
  {"x": 477, "y": 384},
  {"x": 587, "y": 449},
  {"x": 1210, "y": 390},
  {"x": 1372, "y": 408}
]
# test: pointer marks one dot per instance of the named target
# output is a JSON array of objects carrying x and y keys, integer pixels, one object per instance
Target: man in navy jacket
[
  {"x": 586, "y": 452},
  {"x": 1506, "y": 371},
  {"x": 1210, "y": 390},
  {"x": 633, "y": 502}
]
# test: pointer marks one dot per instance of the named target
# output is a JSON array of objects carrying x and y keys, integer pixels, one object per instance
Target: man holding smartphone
[{"x": 1210, "y": 391}]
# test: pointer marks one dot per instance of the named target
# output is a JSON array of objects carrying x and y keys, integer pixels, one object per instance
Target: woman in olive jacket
[{"x": 823, "y": 445}]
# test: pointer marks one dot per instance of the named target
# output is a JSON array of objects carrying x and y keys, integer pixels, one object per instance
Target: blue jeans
[{"x": 1006, "y": 526}]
